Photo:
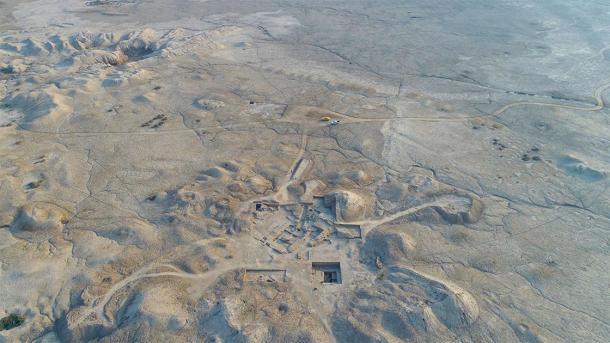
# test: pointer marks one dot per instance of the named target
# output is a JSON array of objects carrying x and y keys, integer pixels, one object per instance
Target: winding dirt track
[
  {"x": 283, "y": 189},
  {"x": 368, "y": 225},
  {"x": 100, "y": 304},
  {"x": 597, "y": 95}
]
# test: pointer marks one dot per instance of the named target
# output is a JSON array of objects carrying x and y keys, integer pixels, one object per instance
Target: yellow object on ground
[{"x": 325, "y": 119}]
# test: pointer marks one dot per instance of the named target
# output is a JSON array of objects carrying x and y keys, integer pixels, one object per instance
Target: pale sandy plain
[{"x": 166, "y": 175}]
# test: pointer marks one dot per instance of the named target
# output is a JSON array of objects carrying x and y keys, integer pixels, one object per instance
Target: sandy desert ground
[{"x": 305, "y": 171}]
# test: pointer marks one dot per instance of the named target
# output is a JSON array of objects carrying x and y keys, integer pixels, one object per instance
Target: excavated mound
[
  {"x": 451, "y": 207},
  {"x": 233, "y": 310},
  {"x": 38, "y": 222},
  {"x": 357, "y": 178},
  {"x": 258, "y": 311},
  {"x": 41, "y": 109},
  {"x": 348, "y": 206},
  {"x": 140, "y": 44},
  {"x": 89, "y": 47},
  {"x": 225, "y": 215},
  {"x": 88, "y": 40},
  {"x": 387, "y": 247},
  {"x": 464, "y": 209},
  {"x": 258, "y": 184},
  {"x": 129, "y": 232},
  {"x": 311, "y": 188},
  {"x": 405, "y": 305},
  {"x": 106, "y": 57}
]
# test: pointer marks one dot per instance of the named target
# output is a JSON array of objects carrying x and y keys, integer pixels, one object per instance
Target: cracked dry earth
[{"x": 305, "y": 171}]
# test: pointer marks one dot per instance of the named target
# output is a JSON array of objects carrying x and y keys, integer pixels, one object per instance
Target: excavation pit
[
  {"x": 326, "y": 272},
  {"x": 260, "y": 206}
]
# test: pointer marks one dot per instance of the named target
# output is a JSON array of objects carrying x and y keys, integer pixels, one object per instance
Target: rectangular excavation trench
[
  {"x": 326, "y": 272},
  {"x": 265, "y": 275}
]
